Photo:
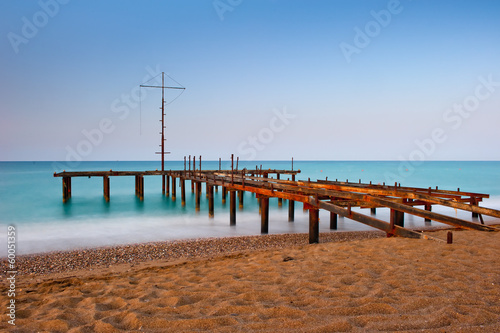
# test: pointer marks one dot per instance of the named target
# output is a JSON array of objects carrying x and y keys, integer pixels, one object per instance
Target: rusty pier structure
[{"x": 336, "y": 197}]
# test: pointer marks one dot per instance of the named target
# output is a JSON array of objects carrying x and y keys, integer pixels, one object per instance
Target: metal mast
[{"x": 163, "y": 87}]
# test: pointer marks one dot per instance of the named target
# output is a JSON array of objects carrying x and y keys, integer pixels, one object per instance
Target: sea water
[{"x": 31, "y": 200}]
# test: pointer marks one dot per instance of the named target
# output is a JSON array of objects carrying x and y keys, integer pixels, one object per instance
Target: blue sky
[{"x": 420, "y": 80}]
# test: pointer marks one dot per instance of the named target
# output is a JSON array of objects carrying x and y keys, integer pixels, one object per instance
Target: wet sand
[{"x": 275, "y": 283}]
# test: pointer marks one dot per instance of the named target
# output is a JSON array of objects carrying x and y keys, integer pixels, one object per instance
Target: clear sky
[{"x": 264, "y": 79}]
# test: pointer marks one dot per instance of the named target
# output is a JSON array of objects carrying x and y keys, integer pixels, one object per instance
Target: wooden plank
[
  {"x": 452, "y": 204},
  {"x": 176, "y": 173}
]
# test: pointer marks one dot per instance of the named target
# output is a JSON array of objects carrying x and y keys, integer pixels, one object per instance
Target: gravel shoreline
[{"x": 103, "y": 257}]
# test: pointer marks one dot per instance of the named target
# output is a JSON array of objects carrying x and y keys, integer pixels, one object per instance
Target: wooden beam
[{"x": 430, "y": 215}]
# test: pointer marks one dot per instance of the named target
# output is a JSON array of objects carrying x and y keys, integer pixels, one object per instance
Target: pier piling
[
  {"x": 167, "y": 186},
  {"x": 397, "y": 218},
  {"x": 173, "y": 188},
  {"x": 264, "y": 216},
  {"x": 333, "y": 221},
  {"x": 139, "y": 187},
  {"x": 428, "y": 208},
  {"x": 280, "y": 200},
  {"x": 291, "y": 210},
  {"x": 197, "y": 200},
  {"x": 232, "y": 207},
  {"x": 210, "y": 190},
  {"x": 183, "y": 191},
  {"x": 224, "y": 194},
  {"x": 66, "y": 184},
  {"x": 105, "y": 183},
  {"x": 240, "y": 199},
  {"x": 473, "y": 201},
  {"x": 313, "y": 226}
]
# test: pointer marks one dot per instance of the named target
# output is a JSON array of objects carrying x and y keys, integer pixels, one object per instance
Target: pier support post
[
  {"x": 173, "y": 188},
  {"x": 224, "y": 194},
  {"x": 198, "y": 191},
  {"x": 240, "y": 199},
  {"x": 373, "y": 211},
  {"x": 163, "y": 185},
  {"x": 428, "y": 208},
  {"x": 105, "y": 184},
  {"x": 313, "y": 226},
  {"x": 210, "y": 190},
  {"x": 139, "y": 186},
  {"x": 232, "y": 207},
  {"x": 66, "y": 188},
  {"x": 280, "y": 200},
  {"x": 167, "y": 186},
  {"x": 264, "y": 216},
  {"x": 397, "y": 218},
  {"x": 291, "y": 210},
  {"x": 183, "y": 191},
  {"x": 136, "y": 185},
  {"x": 192, "y": 186},
  {"x": 473, "y": 201},
  {"x": 333, "y": 221},
  {"x": 291, "y": 206}
]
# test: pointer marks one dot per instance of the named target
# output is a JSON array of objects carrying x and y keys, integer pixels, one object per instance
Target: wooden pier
[{"x": 337, "y": 197}]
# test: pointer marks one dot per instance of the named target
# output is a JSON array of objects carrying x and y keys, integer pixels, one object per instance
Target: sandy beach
[{"x": 358, "y": 282}]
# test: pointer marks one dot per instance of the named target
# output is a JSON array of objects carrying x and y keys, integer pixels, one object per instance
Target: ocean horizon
[{"x": 31, "y": 200}]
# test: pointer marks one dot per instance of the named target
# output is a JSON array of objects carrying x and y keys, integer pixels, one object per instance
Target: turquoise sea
[{"x": 31, "y": 199}]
